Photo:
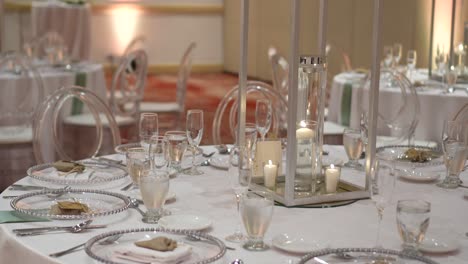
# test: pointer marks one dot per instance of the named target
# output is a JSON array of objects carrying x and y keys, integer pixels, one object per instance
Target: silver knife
[{"x": 52, "y": 228}]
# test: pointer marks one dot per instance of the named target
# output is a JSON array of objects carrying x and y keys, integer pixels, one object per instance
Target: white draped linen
[
  {"x": 435, "y": 106},
  {"x": 210, "y": 195},
  {"x": 72, "y": 22}
]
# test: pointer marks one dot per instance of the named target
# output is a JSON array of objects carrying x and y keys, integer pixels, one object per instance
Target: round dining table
[
  {"x": 435, "y": 105},
  {"x": 209, "y": 195}
]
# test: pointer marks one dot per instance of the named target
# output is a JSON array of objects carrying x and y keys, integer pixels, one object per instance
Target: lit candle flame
[
  {"x": 270, "y": 162},
  {"x": 332, "y": 166}
]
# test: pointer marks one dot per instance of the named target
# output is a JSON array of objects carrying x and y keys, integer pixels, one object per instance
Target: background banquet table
[
  {"x": 435, "y": 106},
  {"x": 71, "y": 21},
  {"x": 210, "y": 195}
]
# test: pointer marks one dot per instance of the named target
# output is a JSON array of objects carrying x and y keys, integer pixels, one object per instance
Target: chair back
[
  {"x": 280, "y": 71},
  {"x": 462, "y": 115},
  {"x": 395, "y": 125},
  {"x": 50, "y": 129},
  {"x": 21, "y": 93},
  {"x": 135, "y": 44},
  {"x": 183, "y": 75},
  {"x": 261, "y": 90},
  {"x": 129, "y": 80}
]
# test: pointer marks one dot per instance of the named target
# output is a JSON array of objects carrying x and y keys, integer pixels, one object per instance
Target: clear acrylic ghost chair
[
  {"x": 21, "y": 93},
  {"x": 137, "y": 43},
  {"x": 396, "y": 124},
  {"x": 54, "y": 139},
  {"x": 280, "y": 71},
  {"x": 177, "y": 108},
  {"x": 230, "y": 100},
  {"x": 462, "y": 114}
]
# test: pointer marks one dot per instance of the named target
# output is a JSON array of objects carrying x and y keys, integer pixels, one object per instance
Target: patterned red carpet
[{"x": 204, "y": 91}]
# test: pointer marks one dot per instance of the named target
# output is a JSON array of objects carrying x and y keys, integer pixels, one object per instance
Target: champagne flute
[
  {"x": 263, "y": 114},
  {"x": 176, "y": 144},
  {"x": 154, "y": 187},
  {"x": 194, "y": 127},
  {"x": 411, "y": 58},
  {"x": 256, "y": 208},
  {"x": 454, "y": 146},
  {"x": 381, "y": 195},
  {"x": 397, "y": 51},
  {"x": 239, "y": 177},
  {"x": 352, "y": 141},
  {"x": 148, "y": 127}
]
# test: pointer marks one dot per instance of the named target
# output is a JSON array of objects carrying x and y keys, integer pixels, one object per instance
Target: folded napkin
[
  {"x": 52, "y": 172},
  {"x": 143, "y": 255},
  {"x": 16, "y": 217}
]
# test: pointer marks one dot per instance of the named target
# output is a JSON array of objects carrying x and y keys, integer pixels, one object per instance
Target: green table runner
[
  {"x": 346, "y": 99},
  {"x": 77, "y": 105}
]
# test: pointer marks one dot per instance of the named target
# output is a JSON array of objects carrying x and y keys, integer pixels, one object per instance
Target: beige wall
[{"x": 349, "y": 30}]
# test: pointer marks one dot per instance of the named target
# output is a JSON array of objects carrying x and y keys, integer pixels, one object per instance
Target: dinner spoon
[
  {"x": 41, "y": 230},
  {"x": 134, "y": 204}
]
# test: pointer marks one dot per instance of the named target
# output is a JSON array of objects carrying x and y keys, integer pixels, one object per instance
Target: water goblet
[
  {"x": 194, "y": 129},
  {"x": 176, "y": 144},
  {"x": 381, "y": 192},
  {"x": 412, "y": 222},
  {"x": 250, "y": 135},
  {"x": 411, "y": 59},
  {"x": 138, "y": 164},
  {"x": 397, "y": 51},
  {"x": 263, "y": 117},
  {"x": 239, "y": 175},
  {"x": 256, "y": 209},
  {"x": 154, "y": 187},
  {"x": 352, "y": 141},
  {"x": 148, "y": 127},
  {"x": 454, "y": 146},
  {"x": 451, "y": 76}
]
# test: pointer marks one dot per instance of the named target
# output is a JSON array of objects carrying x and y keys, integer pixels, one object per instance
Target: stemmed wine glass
[
  {"x": 397, "y": 51},
  {"x": 176, "y": 144},
  {"x": 411, "y": 59},
  {"x": 157, "y": 153},
  {"x": 381, "y": 193},
  {"x": 148, "y": 128},
  {"x": 353, "y": 144},
  {"x": 194, "y": 128},
  {"x": 263, "y": 113},
  {"x": 454, "y": 146},
  {"x": 239, "y": 177}
]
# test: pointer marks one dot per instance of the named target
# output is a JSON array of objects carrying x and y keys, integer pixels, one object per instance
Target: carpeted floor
[{"x": 204, "y": 91}]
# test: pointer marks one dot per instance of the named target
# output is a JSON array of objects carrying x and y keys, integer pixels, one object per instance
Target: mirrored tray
[
  {"x": 122, "y": 149},
  {"x": 206, "y": 250},
  {"x": 101, "y": 203},
  {"x": 363, "y": 255},
  {"x": 396, "y": 153},
  {"x": 95, "y": 172}
]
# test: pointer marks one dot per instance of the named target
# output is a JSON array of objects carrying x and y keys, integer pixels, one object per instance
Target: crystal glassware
[
  {"x": 154, "y": 187},
  {"x": 240, "y": 175},
  {"x": 454, "y": 146},
  {"x": 263, "y": 117},
  {"x": 148, "y": 127},
  {"x": 397, "y": 51},
  {"x": 176, "y": 144},
  {"x": 451, "y": 75},
  {"x": 388, "y": 56},
  {"x": 194, "y": 128},
  {"x": 138, "y": 164},
  {"x": 353, "y": 145},
  {"x": 381, "y": 192},
  {"x": 412, "y": 222},
  {"x": 256, "y": 208},
  {"x": 250, "y": 135},
  {"x": 411, "y": 59},
  {"x": 157, "y": 153}
]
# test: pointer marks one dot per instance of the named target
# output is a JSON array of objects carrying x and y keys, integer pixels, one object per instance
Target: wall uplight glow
[{"x": 124, "y": 23}]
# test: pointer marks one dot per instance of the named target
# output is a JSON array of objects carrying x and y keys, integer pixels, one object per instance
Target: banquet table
[
  {"x": 71, "y": 21},
  {"x": 434, "y": 104},
  {"x": 209, "y": 195}
]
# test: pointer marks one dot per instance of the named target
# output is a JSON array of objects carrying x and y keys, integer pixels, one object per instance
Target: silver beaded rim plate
[
  {"x": 380, "y": 154},
  {"x": 211, "y": 240},
  {"x": 328, "y": 251},
  {"x": 124, "y": 205},
  {"x": 120, "y": 173}
]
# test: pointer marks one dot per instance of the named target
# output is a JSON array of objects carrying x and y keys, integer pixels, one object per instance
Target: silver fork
[{"x": 106, "y": 241}]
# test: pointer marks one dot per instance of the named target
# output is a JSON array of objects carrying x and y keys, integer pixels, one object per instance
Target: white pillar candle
[
  {"x": 270, "y": 171},
  {"x": 304, "y": 133},
  {"x": 332, "y": 177}
]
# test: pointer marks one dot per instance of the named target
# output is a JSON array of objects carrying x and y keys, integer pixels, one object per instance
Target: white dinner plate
[
  {"x": 187, "y": 222},
  {"x": 220, "y": 162},
  {"x": 419, "y": 176},
  {"x": 439, "y": 244},
  {"x": 296, "y": 244}
]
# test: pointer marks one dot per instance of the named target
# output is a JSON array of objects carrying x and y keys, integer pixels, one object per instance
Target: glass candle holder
[
  {"x": 270, "y": 174},
  {"x": 332, "y": 178},
  {"x": 307, "y": 156}
]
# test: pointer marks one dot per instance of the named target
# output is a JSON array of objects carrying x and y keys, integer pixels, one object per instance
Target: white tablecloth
[
  {"x": 72, "y": 22},
  {"x": 435, "y": 106},
  {"x": 210, "y": 195}
]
